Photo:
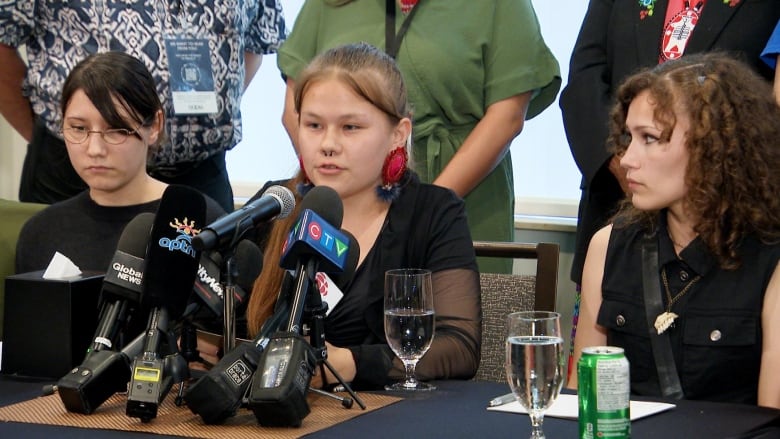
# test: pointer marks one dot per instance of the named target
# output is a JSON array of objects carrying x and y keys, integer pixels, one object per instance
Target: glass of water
[
  {"x": 534, "y": 362},
  {"x": 409, "y": 320}
]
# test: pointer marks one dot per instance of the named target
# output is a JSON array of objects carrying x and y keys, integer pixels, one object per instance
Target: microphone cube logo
[
  {"x": 313, "y": 236},
  {"x": 183, "y": 241},
  {"x": 327, "y": 241}
]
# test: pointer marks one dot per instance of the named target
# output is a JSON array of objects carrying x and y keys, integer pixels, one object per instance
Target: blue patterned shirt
[{"x": 59, "y": 34}]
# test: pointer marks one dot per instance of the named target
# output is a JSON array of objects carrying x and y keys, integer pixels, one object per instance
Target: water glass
[
  {"x": 409, "y": 320},
  {"x": 534, "y": 362}
]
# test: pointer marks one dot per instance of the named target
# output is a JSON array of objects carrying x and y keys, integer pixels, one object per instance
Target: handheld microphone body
[
  {"x": 148, "y": 382},
  {"x": 122, "y": 284},
  {"x": 171, "y": 267},
  {"x": 277, "y": 394},
  {"x": 103, "y": 371},
  {"x": 276, "y": 202}
]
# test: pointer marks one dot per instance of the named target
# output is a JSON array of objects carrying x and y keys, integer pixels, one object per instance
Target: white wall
[{"x": 545, "y": 174}]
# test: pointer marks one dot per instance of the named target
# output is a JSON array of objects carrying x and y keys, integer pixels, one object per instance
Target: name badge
[{"x": 191, "y": 76}]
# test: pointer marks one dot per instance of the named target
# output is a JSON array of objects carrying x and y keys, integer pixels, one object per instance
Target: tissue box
[{"x": 48, "y": 323}]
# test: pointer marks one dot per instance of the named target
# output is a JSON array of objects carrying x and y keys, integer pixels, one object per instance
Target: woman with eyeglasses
[{"x": 112, "y": 122}]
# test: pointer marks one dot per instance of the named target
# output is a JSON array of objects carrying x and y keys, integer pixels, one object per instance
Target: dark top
[
  {"x": 82, "y": 230},
  {"x": 425, "y": 228},
  {"x": 716, "y": 340},
  {"x": 614, "y": 42}
]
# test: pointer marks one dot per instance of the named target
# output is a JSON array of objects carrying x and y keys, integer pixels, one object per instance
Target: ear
[
  {"x": 157, "y": 127},
  {"x": 401, "y": 133}
]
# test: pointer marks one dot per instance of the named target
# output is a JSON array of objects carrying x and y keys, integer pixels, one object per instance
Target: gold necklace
[
  {"x": 677, "y": 244},
  {"x": 666, "y": 319}
]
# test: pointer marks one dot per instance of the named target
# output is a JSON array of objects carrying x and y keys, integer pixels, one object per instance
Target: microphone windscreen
[
  {"x": 325, "y": 202},
  {"x": 285, "y": 197},
  {"x": 249, "y": 261},
  {"x": 124, "y": 275},
  {"x": 135, "y": 236},
  {"x": 171, "y": 261}
]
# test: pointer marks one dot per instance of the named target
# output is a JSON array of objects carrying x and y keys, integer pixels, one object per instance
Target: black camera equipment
[{"x": 218, "y": 394}]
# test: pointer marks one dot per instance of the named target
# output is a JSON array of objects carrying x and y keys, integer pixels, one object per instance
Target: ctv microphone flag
[{"x": 312, "y": 235}]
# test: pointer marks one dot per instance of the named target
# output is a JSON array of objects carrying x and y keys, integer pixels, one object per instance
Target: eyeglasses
[{"x": 114, "y": 136}]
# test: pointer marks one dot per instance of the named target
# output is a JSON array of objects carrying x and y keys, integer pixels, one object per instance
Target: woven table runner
[{"x": 180, "y": 421}]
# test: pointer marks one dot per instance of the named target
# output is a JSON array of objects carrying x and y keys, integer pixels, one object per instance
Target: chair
[
  {"x": 503, "y": 294},
  {"x": 13, "y": 214}
]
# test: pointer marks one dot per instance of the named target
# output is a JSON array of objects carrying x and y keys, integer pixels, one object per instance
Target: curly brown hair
[{"x": 733, "y": 145}]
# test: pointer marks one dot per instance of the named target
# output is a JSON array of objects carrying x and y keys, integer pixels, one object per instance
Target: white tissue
[{"x": 61, "y": 267}]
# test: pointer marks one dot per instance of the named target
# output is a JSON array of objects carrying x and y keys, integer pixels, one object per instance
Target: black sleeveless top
[{"x": 716, "y": 340}]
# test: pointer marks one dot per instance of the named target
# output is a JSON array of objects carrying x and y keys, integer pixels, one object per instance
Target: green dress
[{"x": 457, "y": 58}]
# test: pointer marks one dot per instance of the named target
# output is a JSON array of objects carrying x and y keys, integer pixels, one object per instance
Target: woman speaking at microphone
[
  {"x": 112, "y": 122},
  {"x": 354, "y": 124}
]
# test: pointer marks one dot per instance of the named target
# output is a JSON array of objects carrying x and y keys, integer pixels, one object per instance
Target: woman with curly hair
[{"x": 699, "y": 140}]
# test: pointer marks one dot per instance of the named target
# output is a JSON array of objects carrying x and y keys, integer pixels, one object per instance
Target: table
[{"x": 457, "y": 410}]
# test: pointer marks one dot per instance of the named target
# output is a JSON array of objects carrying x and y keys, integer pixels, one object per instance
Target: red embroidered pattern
[
  {"x": 646, "y": 7},
  {"x": 407, "y": 5}
]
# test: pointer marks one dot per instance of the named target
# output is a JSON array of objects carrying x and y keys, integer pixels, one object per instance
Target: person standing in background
[
  {"x": 202, "y": 56},
  {"x": 771, "y": 55},
  {"x": 475, "y": 70},
  {"x": 616, "y": 39}
]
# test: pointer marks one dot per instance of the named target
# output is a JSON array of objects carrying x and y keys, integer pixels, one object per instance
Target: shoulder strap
[
  {"x": 393, "y": 40},
  {"x": 662, "y": 347}
]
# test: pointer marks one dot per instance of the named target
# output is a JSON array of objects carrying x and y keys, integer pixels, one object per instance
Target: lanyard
[{"x": 393, "y": 40}]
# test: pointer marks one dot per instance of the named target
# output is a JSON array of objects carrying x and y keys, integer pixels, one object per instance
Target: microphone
[
  {"x": 313, "y": 241},
  {"x": 276, "y": 202},
  {"x": 103, "y": 371},
  {"x": 208, "y": 288},
  {"x": 122, "y": 284},
  {"x": 171, "y": 266},
  {"x": 206, "y": 308},
  {"x": 218, "y": 394},
  {"x": 277, "y": 394}
]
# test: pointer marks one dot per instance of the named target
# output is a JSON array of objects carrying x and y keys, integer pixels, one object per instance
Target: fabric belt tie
[{"x": 441, "y": 142}]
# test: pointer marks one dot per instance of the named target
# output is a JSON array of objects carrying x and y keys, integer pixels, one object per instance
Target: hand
[
  {"x": 341, "y": 359},
  {"x": 209, "y": 352},
  {"x": 619, "y": 173}
]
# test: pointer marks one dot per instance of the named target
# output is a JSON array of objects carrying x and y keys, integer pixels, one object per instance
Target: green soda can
[{"x": 603, "y": 388}]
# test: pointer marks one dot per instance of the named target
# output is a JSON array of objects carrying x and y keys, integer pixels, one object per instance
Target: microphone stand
[
  {"x": 230, "y": 274},
  {"x": 228, "y": 300},
  {"x": 316, "y": 310}
]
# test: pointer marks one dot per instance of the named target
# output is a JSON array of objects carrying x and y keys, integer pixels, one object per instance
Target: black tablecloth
[{"x": 458, "y": 410}]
